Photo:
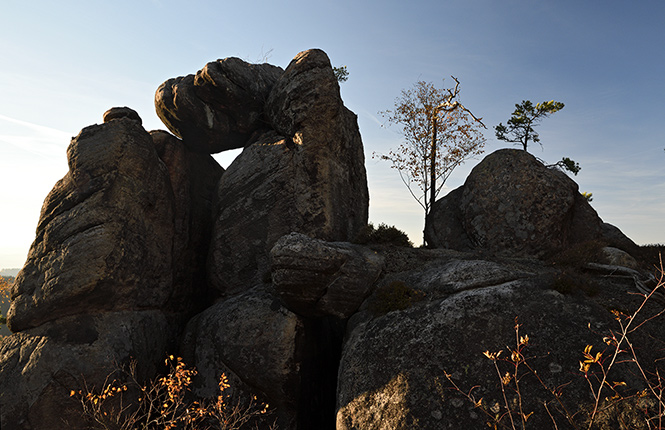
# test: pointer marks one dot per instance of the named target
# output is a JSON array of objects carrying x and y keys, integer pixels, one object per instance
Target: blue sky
[{"x": 64, "y": 63}]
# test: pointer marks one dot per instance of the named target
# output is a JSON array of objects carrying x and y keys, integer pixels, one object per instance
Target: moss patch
[{"x": 395, "y": 296}]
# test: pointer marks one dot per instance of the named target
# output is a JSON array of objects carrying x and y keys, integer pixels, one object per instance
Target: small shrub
[
  {"x": 5, "y": 289},
  {"x": 612, "y": 404},
  {"x": 165, "y": 403},
  {"x": 395, "y": 296},
  {"x": 580, "y": 254},
  {"x": 569, "y": 282},
  {"x": 651, "y": 254},
  {"x": 383, "y": 235}
]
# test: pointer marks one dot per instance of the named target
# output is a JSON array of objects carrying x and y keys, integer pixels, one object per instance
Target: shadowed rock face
[
  {"x": 307, "y": 175},
  {"x": 40, "y": 366},
  {"x": 218, "y": 108},
  {"x": 256, "y": 340},
  {"x": 316, "y": 278},
  {"x": 194, "y": 177},
  {"x": 513, "y": 205},
  {"x": 105, "y": 236}
]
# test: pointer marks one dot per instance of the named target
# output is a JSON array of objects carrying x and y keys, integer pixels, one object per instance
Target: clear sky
[{"x": 62, "y": 64}]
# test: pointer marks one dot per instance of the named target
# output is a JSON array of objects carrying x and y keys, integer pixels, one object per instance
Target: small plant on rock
[
  {"x": 5, "y": 288},
  {"x": 395, "y": 296},
  {"x": 383, "y": 235}
]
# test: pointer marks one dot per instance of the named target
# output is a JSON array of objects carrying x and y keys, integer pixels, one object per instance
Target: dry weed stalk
[
  {"x": 595, "y": 367},
  {"x": 166, "y": 403}
]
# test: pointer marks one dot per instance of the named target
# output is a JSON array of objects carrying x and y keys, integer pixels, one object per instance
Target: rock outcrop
[
  {"x": 118, "y": 261},
  {"x": 514, "y": 205},
  {"x": 394, "y": 365},
  {"x": 128, "y": 234},
  {"x": 307, "y": 175},
  {"x": 147, "y": 248},
  {"x": 39, "y": 367},
  {"x": 255, "y": 338},
  {"x": 91, "y": 253}
]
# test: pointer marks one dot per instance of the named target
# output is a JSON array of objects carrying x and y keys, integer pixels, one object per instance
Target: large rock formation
[
  {"x": 118, "y": 260},
  {"x": 306, "y": 175},
  {"x": 127, "y": 232},
  {"x": 257, "y": 340},
  {"x": 39, "y": 367},
  {"x": 147, "y": 248},
  {"x": 514, "y": 205},
  {"x": 91, "y": 253}
]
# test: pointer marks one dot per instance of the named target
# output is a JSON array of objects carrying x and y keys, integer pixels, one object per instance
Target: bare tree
[{"x": 439, "y": 134}]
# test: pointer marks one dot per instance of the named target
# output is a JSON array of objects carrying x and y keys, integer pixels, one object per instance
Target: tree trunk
[{"x": 432, "y": 180}]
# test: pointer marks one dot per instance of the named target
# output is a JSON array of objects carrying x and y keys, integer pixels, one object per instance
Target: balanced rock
[
  {"x": 91, "y": 253},
  {"x": 512, "y": 204},
  {"x": 121, "y": 112},
  {"x": 307, "y": 176},
  {"x": 306, "y": 97},
  {"x": 317, "y": 278},
  {"x": 218, "y": 108}
]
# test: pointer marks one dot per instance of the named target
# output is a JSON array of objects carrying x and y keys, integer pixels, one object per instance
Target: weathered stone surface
[
  {"x": 193, "y": 177},
  {"x": 306, "y": 97},
  {"x": 218, "y": 108},
  {"x": 40, "y": 366},
  {"x": 317, "y": 278},
  {"x": 614, "y": 237},
  {"x": 511, "y": 204},
  {"x": 91, "y": 252},
  {"x": 309, "y": 179},
  {"x": 255, "y": 338},
  {"x": 393, "y": 367}
]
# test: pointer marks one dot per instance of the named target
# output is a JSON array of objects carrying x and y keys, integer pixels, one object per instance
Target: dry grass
[
  {"x": 643, "y": 409},
  {"x": 166, "y": 403}
]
